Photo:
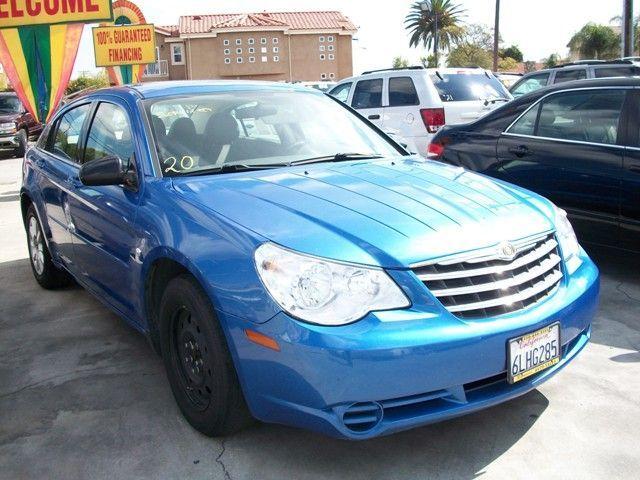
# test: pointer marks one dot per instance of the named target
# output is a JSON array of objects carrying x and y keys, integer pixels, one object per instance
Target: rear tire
[
  {"x": 197, "y": 360},
  {"x": 23, "y": 140},
  {"x": 45, "y": 272}
]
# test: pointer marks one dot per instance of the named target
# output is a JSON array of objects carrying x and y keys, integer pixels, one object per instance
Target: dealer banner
[
  {"x": 124, "y": 45},
  {"x": 127, "y": 13},
  {"x": 20, "y": 13}
]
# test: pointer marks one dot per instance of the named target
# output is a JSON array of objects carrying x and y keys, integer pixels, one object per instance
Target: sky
[{"x": 537, "y": 27}]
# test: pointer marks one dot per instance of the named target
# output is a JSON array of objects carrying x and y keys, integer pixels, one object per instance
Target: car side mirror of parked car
[{"x": 109, "y": 170}]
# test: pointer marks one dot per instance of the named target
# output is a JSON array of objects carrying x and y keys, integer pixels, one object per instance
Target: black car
[
  {"x": 16, "y": 125},
  {"x": 577, "y": 144}
]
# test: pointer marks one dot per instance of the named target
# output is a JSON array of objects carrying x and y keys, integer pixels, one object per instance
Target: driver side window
[
  {"x": 64, "y": 142},
  {"x": 109, "y": 134}
]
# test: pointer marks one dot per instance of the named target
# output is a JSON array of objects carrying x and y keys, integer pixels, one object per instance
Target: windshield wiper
[
  {"x": 338, "y": 157},
  {"x": 232, "y": 168},
  {"x": 487, "y": 101}
]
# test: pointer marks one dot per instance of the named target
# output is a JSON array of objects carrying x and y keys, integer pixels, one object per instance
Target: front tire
[
  {"x": 45, "y": 272},
  {"x": 197, "y": 360}
]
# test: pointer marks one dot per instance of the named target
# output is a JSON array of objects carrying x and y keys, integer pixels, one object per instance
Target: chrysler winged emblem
[{"x": 506, "y": 251}]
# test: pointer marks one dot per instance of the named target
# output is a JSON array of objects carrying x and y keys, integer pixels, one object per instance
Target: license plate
[{"x": 533, "y": 352}]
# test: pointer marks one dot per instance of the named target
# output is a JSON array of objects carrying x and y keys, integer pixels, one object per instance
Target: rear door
[
  {"x": 468, "y": 94},
  {"x": 402, "y": 114},
  {"x": 568, "y": 148},
  {"x": 367, "y": 99},
  {"x": 630, "y": 188},
  {"x": 58, "y": 162}
]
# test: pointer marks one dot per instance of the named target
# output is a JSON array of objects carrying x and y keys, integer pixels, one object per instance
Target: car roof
[
  {"x": 173, "y": 88},
  {"x": 414, "y": 71}
]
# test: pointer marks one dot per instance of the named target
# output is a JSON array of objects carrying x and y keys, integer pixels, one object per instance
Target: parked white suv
[{"x": 413, "y": 103}]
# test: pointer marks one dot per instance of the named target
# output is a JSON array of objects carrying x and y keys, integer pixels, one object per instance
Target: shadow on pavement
[{"x": 86, "y": 393}]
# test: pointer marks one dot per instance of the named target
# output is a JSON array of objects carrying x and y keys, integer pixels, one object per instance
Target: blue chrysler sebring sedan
[{"x": 293, "y": 264}]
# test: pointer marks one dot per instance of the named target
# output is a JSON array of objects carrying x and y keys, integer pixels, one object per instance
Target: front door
[
  {"x": 103, "y": 217},
  {"x": 568, "y": 149}
]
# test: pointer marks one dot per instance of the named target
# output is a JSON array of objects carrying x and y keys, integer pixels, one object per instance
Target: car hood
[{"x": 391, "y": 212}]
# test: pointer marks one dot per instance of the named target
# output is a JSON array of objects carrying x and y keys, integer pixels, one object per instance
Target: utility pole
[
  {"x": 496, "y": 37},
  {"x": 627, "y": 28}
]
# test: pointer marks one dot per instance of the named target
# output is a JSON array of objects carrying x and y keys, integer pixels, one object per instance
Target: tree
[
  {"x": 551, "y": 61},
  {"x": 529, "y": 66},
  {"x": 428, "y": 62},
  {"x": 508, "y": 64},
  {"x": 400, "y": 62},
  {"x": 513, "y": 51},
  {"x": 595, "y": 41},
  {"x": 474, "y": 49},
  {"x": 85, "y": 81},
  {"x": 422, "y": 19}
]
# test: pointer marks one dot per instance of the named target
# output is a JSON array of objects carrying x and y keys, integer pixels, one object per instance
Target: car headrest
[
  {"x": 222, "y": 129},
  {"x": 182, "y": 130},
  {"x": 159, "y": 128}
]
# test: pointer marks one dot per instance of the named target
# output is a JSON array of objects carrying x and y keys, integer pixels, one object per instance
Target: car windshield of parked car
[
  {"x": 460, "y": 87},
  {"x": 10, "y": 104},
  {"x": 257, "y": 129}
]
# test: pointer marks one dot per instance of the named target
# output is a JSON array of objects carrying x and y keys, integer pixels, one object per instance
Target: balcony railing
[{"x": 158, "y": 69}]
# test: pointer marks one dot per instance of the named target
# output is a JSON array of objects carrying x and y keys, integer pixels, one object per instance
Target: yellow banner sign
[
  {"x": 124, "y": 45},
  {"x": 19, "y": 13}
]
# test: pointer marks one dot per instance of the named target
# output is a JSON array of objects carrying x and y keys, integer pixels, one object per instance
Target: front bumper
[
  {"x": 9, "y": 141},
  {"x": 397, "y": 370}
]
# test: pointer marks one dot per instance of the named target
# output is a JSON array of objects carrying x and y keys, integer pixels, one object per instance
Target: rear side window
[
  {"x": 526, "y": 124},
  {"x": 568, "y": 75},
  {"x": 586, "y": 116},
  {"x": 402, "y": 92},
  {"x": 604, "y": 72},
  {"x": 341, "y": 92},
  {"x": 529, "y": 84},
  {"x": 368, "y": 94},
  {"x": 460, "y": 87},
  {"x": 67, "y": 135}
]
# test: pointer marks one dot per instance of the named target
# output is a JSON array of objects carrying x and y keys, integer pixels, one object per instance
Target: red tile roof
[
  {"x": 288, "y": 20},
  {"x": 171, "y": 30}
]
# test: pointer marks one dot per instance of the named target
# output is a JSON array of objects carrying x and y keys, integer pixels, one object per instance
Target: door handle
[
  {"x": 634, "y": 168},
  {"x": 39, "y": 163},
  {"x": 519, "y": 151},
  {"x": 374, "y": 117}
]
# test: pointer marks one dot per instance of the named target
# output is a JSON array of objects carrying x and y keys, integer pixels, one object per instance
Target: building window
[
  {"x": 238, "y": 51},
  {"x": 332, "y": 75},
  {"x": 177, "y": 54},
  {"x": 225, "y": 41},
  {"x": 275, "y": 40},
  {"x": 322, "y": 48},
  {"x": 227, "y": 61},
  {"x": 239, "y": 59},
  {"x": 276, "y": 50},
  {"x": 331, "y": 56},
  {"x": 264, "y": 58},
  {"x": 263, "y": 41},
  {"x": 251, "y": 41},
  {"x": 252, "y": 50},
  {"x": 323, "y": 76},
  {"x": 263, "y": 49},
  {"x": 330, "y": 38},
  {"x": 321, "y": 41},
  {"x": 276, "y": 58},
  {"x": 227, "y": 51},
  {"x": 330, "y": 48},
  {"x": 252, "y": 59},
  {"x": 238, "y": 41},
  {"x": 322, "y": 57}
]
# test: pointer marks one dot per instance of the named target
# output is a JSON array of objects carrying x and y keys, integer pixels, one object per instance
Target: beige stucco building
[{"x": 279, "y": 46}]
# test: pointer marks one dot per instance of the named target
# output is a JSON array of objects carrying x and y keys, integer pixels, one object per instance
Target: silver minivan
[{"x": 413, "y": 103}]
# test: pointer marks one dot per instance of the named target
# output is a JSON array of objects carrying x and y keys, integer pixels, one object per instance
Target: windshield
[
  {"x": 261, "y": 129},
  {"x": 10, "y": 104},
  {"x": 459, "y": 87}
]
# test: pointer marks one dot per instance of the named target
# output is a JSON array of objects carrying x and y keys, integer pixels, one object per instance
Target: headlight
[
  {"x": 8, "y": 127},
  {"x": 568, "y": 241},
  {"x": 325, "y": 292}
]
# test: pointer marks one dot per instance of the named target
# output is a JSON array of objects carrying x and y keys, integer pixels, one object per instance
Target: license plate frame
[{"x": 539, "y": 339}]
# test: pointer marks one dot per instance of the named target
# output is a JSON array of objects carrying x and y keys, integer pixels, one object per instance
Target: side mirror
[{"x": 107, "y": 171}]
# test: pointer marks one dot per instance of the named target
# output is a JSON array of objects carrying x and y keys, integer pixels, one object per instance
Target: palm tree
[
  {"x": 434, "y": 22},
  {"x": 595, "y": 41}
]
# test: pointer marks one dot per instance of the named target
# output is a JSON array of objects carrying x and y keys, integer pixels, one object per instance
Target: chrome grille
[{"x": 485, "y": 285}]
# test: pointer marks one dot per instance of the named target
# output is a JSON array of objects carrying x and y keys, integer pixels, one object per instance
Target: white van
[{"x": 413, "y": 103}]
